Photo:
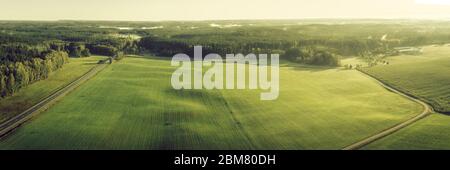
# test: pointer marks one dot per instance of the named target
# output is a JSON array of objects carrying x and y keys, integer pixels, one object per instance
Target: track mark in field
[
  {"x": 238, "y": 123},
  {"x": 168, "y": 142},
  {"x": 426, "y": 112}
]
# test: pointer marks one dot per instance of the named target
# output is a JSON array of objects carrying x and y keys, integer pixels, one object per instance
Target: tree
[
  {"x": 10, "y": 85},
  {"x": 103, "y": 50},
  {"x": 292, "y": 54},
  {"x": 305, "y": 54},
  {"x": 119, "y": 56},
  {"x": 22, "y": 77},
  {"x": 77, "y": 50},
  {"x": 2, "y": 85},
  {"x": 85, "y": 53}
]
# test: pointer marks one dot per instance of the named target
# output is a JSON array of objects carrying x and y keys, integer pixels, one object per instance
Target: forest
[{"x": 30, "y": 50}]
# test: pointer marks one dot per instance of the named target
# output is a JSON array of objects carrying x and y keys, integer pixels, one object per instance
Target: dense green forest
[
  {"x": 18, "y": 73},
  {"x": 317, "y": 42},
  {"x": 30, "y": 50}
]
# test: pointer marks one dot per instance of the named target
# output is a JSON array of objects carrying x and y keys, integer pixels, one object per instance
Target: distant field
[
  {"x": 354, "y": 61},
  {"x": 131, "y": 105},
  {"x": 426, "y": 76},
  {"x": 30, "y": 95}
]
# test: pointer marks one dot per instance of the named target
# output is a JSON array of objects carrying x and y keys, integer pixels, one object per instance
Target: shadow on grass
[
  {"x": 196, "y": 95},
  {"x": 89, "y": 64},
  {"x": 150, "y": 57}
]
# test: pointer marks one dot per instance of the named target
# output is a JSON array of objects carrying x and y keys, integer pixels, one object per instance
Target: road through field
[
  {"x": 11, "y": 124},
  {"x": 426, "y": 112}
]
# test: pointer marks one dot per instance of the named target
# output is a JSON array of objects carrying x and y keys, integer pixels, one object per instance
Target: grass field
[
  {"x": 32, "y": 94},
  {"x": 425, "y": 76},
  {"x": 427, "y": 134},
  {"x": 131, "y": 105}
]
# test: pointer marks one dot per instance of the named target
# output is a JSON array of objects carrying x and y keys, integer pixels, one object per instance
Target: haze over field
[{"x": 145, "y": 10}]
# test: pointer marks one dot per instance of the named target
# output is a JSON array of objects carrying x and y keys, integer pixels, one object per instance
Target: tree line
[
  {"x": 15, "y": 75},
  {"x": 312, "y": 56},
  {"x": 30, "y": 45},
  {"x": 22, "y": 64},
  {"x": 307, "y": 55}
]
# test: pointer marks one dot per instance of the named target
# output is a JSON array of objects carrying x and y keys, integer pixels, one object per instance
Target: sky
[{"x": 157, "y": 10}]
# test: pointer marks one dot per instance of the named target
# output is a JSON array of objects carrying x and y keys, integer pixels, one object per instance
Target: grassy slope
[
  {"x": 431, "y": 75},
  {"x": 426, "y": 76},
  {"x": 320, "y": 109},
  {"x": 30, "y": 95},
  {"x": 131, "y": 105},
  {"x": 430, "y": 133}
]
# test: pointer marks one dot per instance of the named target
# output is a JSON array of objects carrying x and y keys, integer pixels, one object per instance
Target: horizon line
[{"x": 242, "y": 19}]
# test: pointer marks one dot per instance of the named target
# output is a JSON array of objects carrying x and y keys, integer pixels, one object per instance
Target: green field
[
  {"x": 425, "y": 76},
  {"x": 34, "y": 93},
  {"x": 131, "y": 105},
  {"x": 428, "y": 134}
]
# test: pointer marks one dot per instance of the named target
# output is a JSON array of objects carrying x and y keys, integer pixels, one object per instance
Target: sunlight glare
[{"x": 433, "y": 2}]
